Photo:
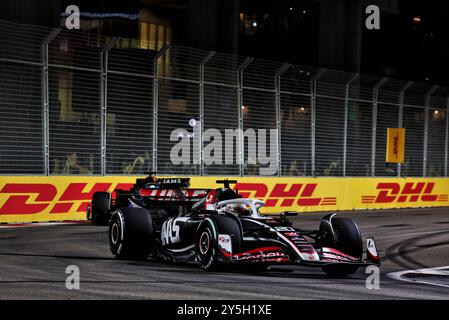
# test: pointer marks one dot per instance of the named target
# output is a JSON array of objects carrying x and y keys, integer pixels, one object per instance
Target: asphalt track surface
[{"x": 33, "y": 262}]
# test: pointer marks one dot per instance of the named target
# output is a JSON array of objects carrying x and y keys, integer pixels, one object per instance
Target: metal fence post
[
  {"x": 241, "y": 142},
  {"x": 159, "y": 54},
  {"x": 345, "y": 130},
  {"x": 281, "y": 71},
  {"x": 313, "y": 95},
  {"x": 426, "y": 128},
  {"x": 201, "y": 98},
  {"x": 104, "y": 56},
  {"x": 401, "y": 114},
  {"x": 446, "y": 145},
  {"x": 46, "y": 99},
  {"x": 374, "y": 125}
]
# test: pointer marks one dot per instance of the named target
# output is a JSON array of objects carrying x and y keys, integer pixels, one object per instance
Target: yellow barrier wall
[{"x": 32, "y": 199}]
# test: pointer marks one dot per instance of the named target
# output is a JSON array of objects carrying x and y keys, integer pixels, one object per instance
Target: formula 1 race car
[{"x": 218, "y": 228}]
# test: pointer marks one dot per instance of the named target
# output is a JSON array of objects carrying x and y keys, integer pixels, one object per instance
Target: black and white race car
[{"x": 219, "y": 228}]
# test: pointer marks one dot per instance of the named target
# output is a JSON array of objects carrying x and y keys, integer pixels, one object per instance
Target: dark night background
[{"x": 412, "y": 43}]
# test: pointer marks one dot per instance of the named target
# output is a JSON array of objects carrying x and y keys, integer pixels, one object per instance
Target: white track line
[{"x": 438, "y": 271}]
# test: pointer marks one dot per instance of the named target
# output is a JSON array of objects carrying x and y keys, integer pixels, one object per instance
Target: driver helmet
[{"x": 238, "y": 209}]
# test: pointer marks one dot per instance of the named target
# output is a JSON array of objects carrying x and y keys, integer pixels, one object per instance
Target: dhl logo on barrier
[
  {"x": 38, "y": 197},
  {"x": 284, "y": 195},
  {"x": 410, "y": 192},
  {"x": 29, "y": 199}
]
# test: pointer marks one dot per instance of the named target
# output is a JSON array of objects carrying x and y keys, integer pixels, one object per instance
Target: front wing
[{"x": 266, "y": 253}]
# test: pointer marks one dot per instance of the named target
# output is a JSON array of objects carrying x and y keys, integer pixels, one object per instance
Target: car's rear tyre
[
  {"x": 101, "y": 204},
  {"x": 131, "y": 234},
  {"x": 348, "y": 240}
]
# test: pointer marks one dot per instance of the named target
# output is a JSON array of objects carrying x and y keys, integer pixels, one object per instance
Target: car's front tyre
[{"x": 347, "y": 239}]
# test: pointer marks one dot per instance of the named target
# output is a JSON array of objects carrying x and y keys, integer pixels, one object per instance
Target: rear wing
[
  {"x": 178, "y": 196},
  {"x": 152, "y": 182},
  {"x": 189, "y": 195}
]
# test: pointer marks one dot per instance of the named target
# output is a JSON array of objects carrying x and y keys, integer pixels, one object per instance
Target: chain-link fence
[{"x": 71, "y": 103}]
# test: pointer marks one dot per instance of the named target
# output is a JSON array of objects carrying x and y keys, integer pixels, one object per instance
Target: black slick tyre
[{"x": 131, "y": 234}]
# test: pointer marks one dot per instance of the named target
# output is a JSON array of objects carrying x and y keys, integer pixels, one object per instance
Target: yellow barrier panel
[{"x": 34, "y": 199}]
